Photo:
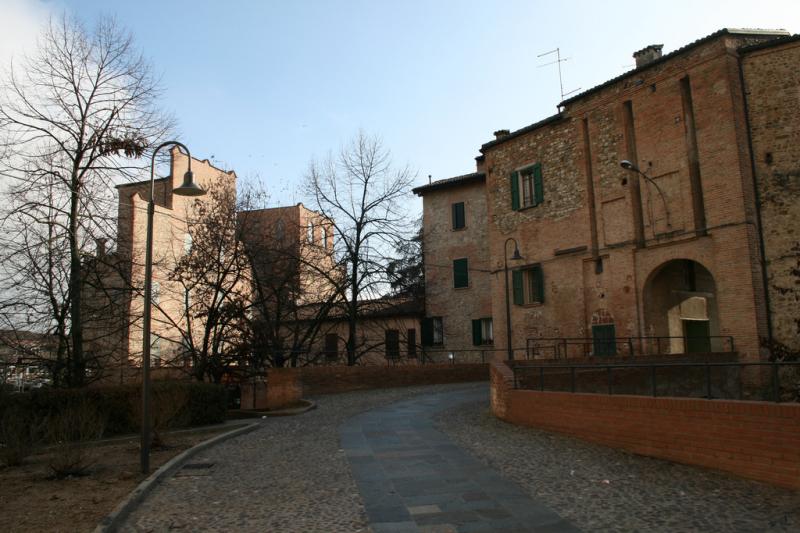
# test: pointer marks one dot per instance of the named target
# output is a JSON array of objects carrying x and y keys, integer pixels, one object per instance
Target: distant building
[{"x": 655, "y": 212}]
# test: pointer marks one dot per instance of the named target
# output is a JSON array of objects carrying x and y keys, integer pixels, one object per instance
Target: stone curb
[{"x": 112, "y": 522}]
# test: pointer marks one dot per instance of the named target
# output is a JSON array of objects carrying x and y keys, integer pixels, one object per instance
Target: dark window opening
[{"x": 459, "y": 218}]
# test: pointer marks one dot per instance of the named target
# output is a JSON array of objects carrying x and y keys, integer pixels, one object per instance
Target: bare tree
[
  {"x": 362, "y": 194},
  {"x": 289, "y": 312},
  {"x": 65, "y": 115},
  {"x": 214, "y": 282}
]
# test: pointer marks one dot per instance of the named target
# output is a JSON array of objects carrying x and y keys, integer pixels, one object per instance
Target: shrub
[
  {"x": 204, "y": 404},
  {"x": 70, "y": 430},
  {"x": 19, "y": 436}
]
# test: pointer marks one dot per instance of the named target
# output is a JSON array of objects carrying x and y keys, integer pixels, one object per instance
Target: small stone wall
[
  {"x": 757, "y": 440},
  {"x": 287, "y": 385}
]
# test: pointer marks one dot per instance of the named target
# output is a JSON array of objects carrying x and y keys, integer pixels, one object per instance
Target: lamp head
[
  {"x": 627, "y": 165},
  {"x": 516, "y": 256},
  {"x": 189, "y": 187}
]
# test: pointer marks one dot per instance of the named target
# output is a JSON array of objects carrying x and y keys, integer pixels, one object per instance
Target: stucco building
[{"x": 655, "y": 212}]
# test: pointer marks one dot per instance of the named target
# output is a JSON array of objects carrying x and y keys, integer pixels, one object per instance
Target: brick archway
[{"x": 680, "y": 307}]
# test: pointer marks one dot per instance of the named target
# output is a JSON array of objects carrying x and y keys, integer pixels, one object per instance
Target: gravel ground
[
  {"x": 602, "y": 489},
  {"x": 288, "y": 476}
]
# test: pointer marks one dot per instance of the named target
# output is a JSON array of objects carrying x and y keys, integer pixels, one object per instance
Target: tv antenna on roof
[{"x": 558, "y": 62}]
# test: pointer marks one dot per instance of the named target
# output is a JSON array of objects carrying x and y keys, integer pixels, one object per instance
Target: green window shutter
[
  {"x": 427, "y": 331},
  {"x": 476, "y": 333},
  {"x": 514, "y": 180},
  {"x": 538, "y": 186},
  {"x": 460, "y": 273},
  {"x": 539, "y": 284},
  {"x": 458, "y": 216},
  {"x": 519, "y": 291}
]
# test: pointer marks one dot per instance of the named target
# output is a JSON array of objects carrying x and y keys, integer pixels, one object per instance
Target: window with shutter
[
  {"x": 528, "y": 285},
  {"x": 459, "y": 219},
  {"x": 527, "y": 187},
  {"x": 432, "y": 331},
  {"x": 460, "y": 273}
]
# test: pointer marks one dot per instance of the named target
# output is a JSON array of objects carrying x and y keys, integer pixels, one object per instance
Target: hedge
[{"x": 205, "y": 403}]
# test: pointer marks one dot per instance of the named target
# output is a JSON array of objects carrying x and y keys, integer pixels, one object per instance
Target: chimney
[
  {"x": 499, "y": 134},
  {"x": 647, "y": 55},
  {"x": 101, "y": 247}
]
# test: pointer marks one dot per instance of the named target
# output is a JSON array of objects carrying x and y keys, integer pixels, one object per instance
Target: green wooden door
[
  {"x": 698, "y": 336},
  {"x": 605, "y": 340}
]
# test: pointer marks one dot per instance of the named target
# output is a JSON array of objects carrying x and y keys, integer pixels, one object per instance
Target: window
[
  {"x": 527, "y": 188},
  {"x": 392, "y": 340},
  {"x": 411, "y": 340},
  {"x": 310, "y": 232},
  {"x": 432, "y": 331},
  {"x": 528, "y": 285},
  {"x": 331, "y": 346},
  {"x": 155, "y": 292},
  {"x": 459, "y": 220},
  {"x": 280, "y": 229},
  {"x": 482, "y": 332},
  {"x": 324, "y": 237},
  {"x": 187, "y": 243},
  {"x": 460, "y": 273},
  {"x": 155, "y": 350}
]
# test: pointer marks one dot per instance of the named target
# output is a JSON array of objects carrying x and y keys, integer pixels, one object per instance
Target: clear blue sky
[{"x": 264, "y": 86}]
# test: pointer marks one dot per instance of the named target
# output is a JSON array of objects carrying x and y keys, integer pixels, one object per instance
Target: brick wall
[
  {"x": 589, "y": 200},
  {"x": 442, "y": 244},
  {"x": 772, "y": 77},
  {"x": 757, "y": 440},
  {"x": 287, "y": 385}
]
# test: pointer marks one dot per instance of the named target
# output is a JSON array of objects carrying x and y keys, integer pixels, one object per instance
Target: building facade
[{"x": 645, "y": 210}]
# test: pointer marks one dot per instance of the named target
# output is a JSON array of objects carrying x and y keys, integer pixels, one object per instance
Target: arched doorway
[{"x": 680, "y": 307}]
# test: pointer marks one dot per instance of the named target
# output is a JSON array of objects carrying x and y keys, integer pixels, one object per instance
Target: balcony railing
[
  {"x": 764, "y": 381},
  {"x": 577, "y": 347}
]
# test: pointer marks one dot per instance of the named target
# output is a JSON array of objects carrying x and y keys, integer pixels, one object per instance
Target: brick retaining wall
[{"x": 757, "y": 440}]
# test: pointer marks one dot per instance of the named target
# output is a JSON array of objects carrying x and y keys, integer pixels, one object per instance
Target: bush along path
[{"x": 414, "y": 478}]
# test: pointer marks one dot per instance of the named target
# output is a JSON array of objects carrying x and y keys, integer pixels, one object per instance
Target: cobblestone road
[
  {"x": 602, "y": 489},
  {"x": 288, "y": 476},
  {"x": 292, "y": 475}
]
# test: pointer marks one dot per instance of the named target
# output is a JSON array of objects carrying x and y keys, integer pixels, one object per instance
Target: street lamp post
[
  {"x": 189, "y": 188},
  {"x": 515, "y": 257}
]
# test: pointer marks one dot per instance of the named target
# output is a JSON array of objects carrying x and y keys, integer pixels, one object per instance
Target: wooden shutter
[
  {"x": 538, "y": 186},
  {"x": 477, "y": 340},
  {"x": 519, "y": 289},
  {"x": 458, "y": 216},
  {"x": 460, "y": 273},
  {"x": 514, "y": 180},
  {"x": 412, "y": 343},
  {"x": 539, "y": 279},
  {"x": 392, "y": 342},
  {"x": 426, "y": 331}
]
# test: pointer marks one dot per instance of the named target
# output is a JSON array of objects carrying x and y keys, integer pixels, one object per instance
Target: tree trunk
[{"x": 77, "y": 368}]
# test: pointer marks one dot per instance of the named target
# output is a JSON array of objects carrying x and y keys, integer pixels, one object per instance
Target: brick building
[
  {"x": 290, "y": 272},
  {"x": 654, "y": 212}
]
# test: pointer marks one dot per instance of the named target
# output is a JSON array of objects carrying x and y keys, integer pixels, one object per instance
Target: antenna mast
[{"x": 558, "y": 62}]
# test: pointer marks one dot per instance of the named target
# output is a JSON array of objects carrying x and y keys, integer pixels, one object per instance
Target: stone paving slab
[{"x": 413, "y": 478}]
